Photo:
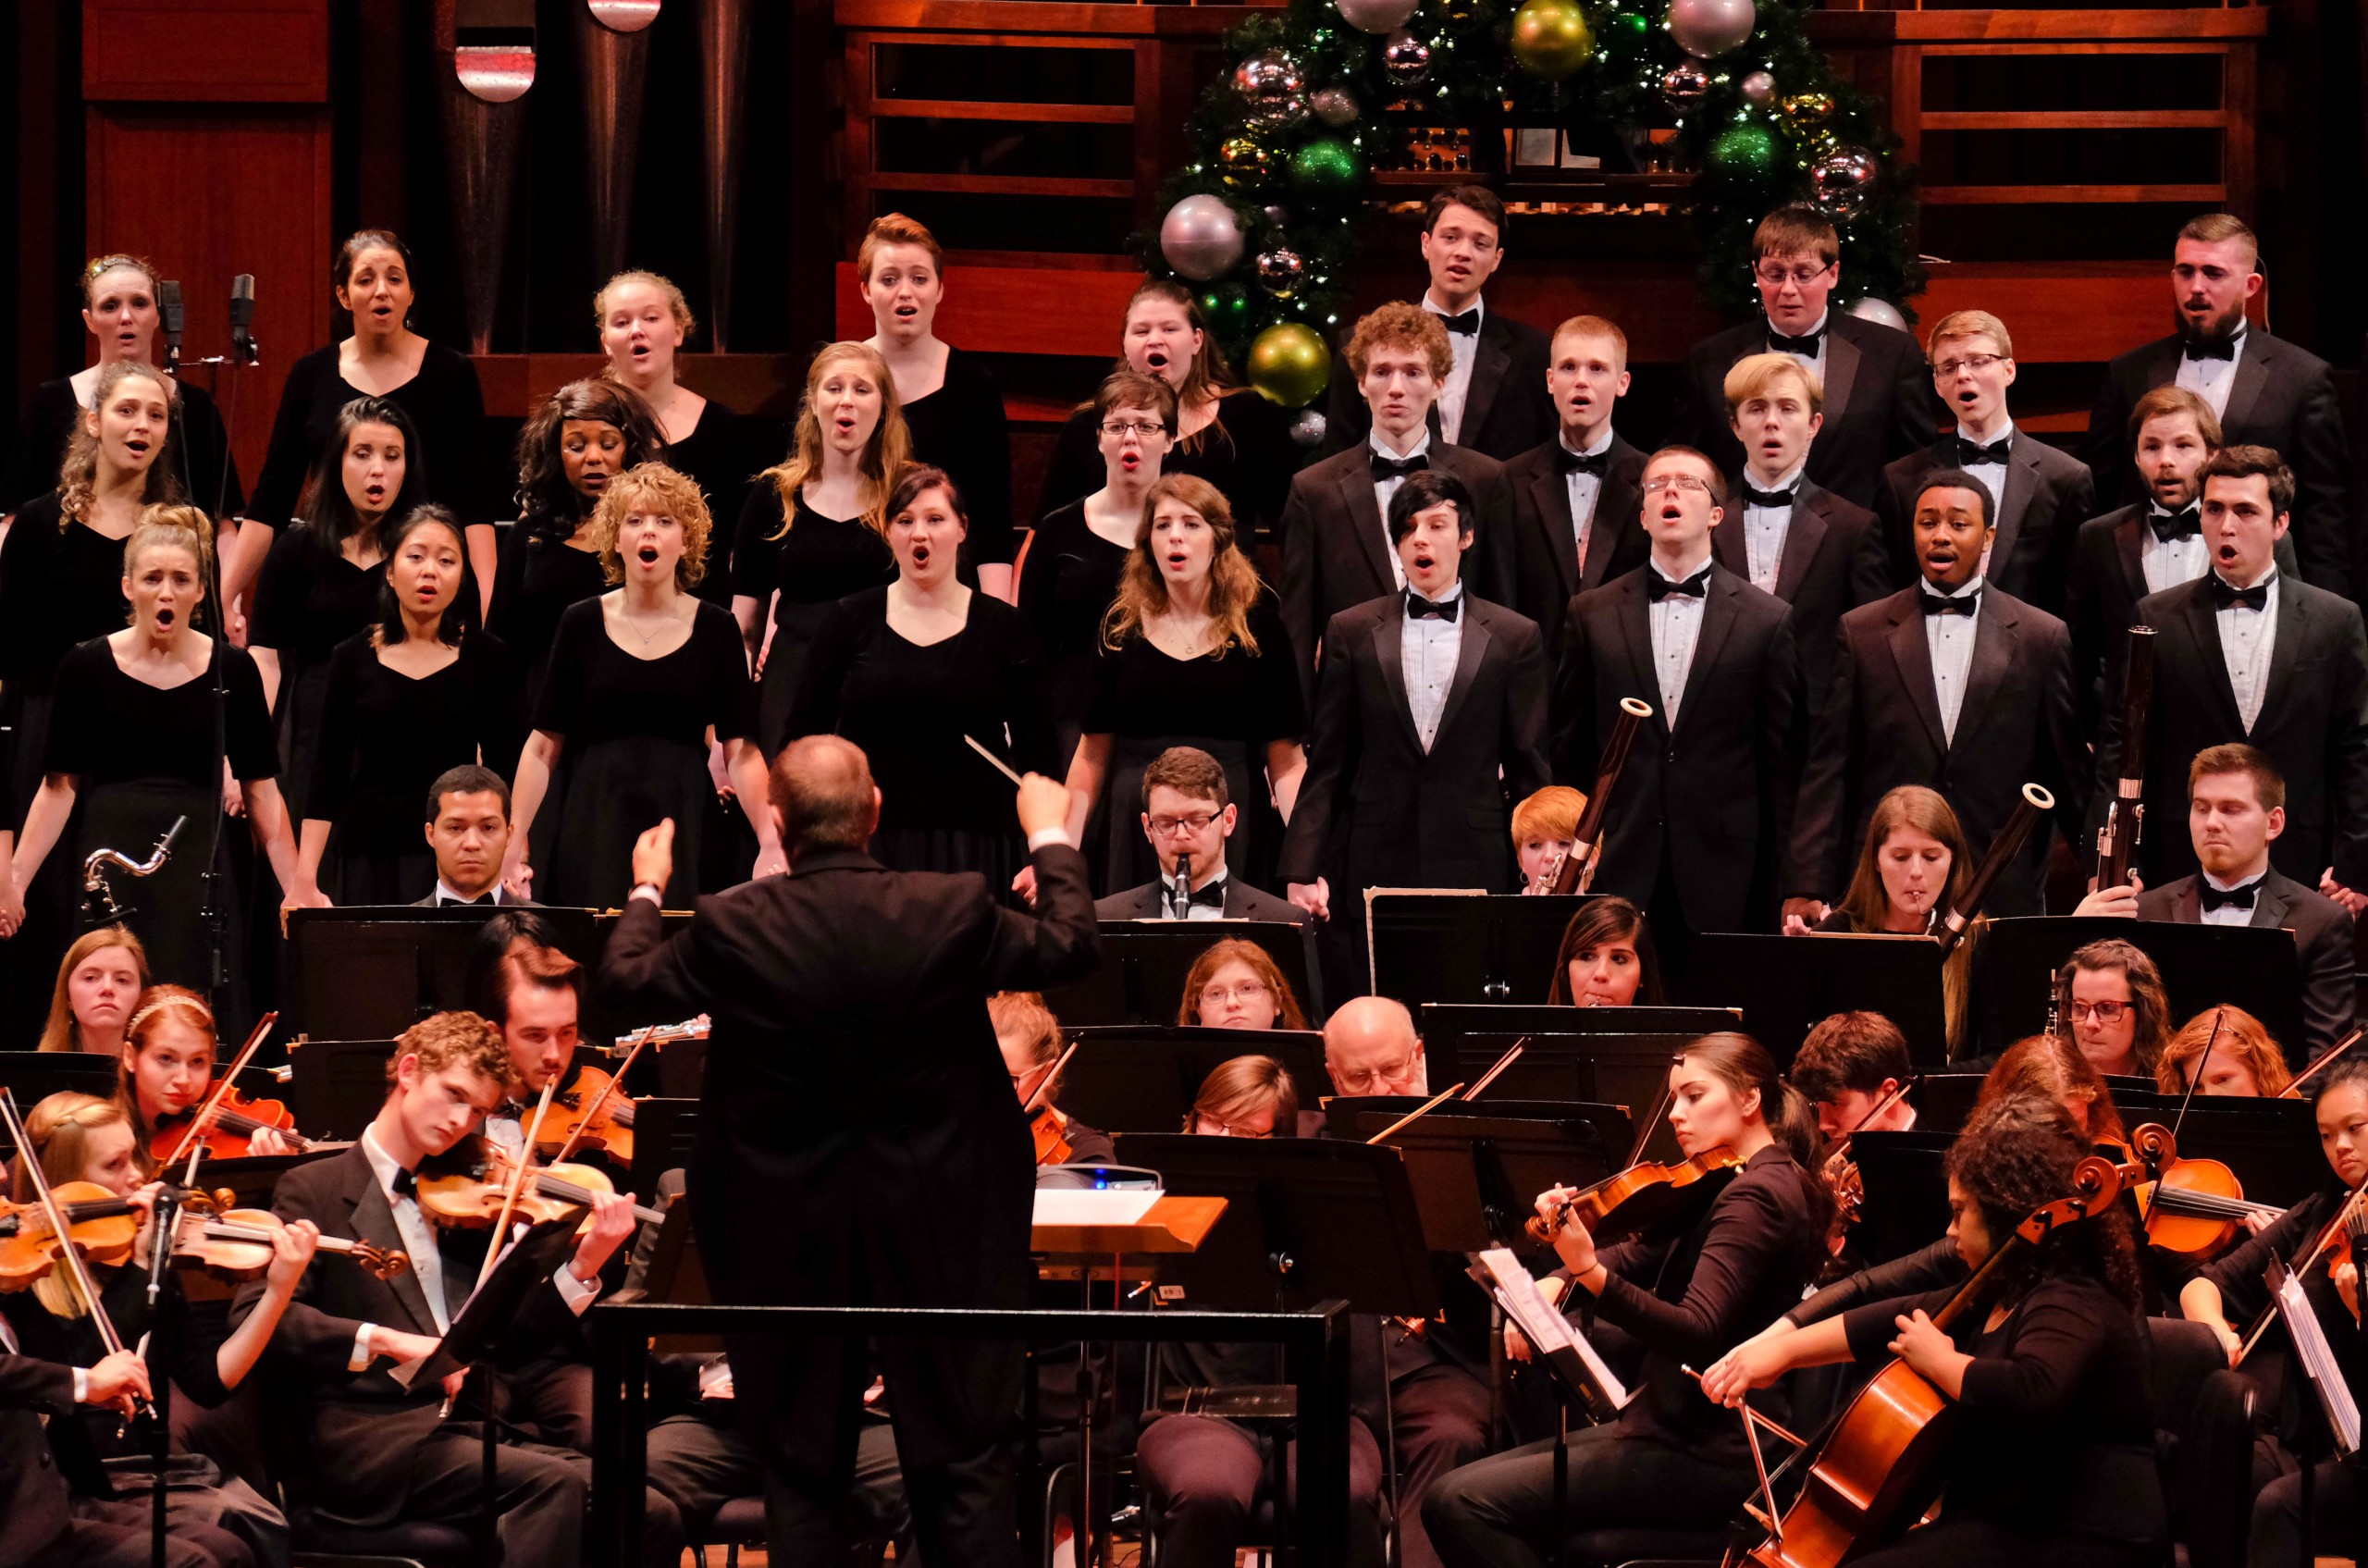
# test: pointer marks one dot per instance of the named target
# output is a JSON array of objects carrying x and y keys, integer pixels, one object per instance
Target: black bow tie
[
  {"x": 449, "y": 902},
  {"x": 2210, "y": 348},
  {"x": 1808, "y": 344},
  {"x": 2171, "y": 526},
  {"x": 1420, "y": 608},
  {"x": 1569, "y": 462},
  {"x": 1211, "y": 893},
  {"x": 1973, "y": 454},
  {"x": 2238, "y": 898},
  {"x": 1963, "y": 604},
  {"x": 1756, "y": 496},
  {"x": 2225, "y": 596},
  {"x": 1657, "y": 587},
  {"x": 1387, "y": 467},
  {"x": 406, "y": 1185},
  {"x": 1468, "y": 323}
]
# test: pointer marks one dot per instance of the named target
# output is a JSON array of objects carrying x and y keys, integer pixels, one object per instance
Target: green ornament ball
[
  {"x": 1630, "y": 27},
  {"x": 1552, "y": 39},
  {"x": 1742, "y": 157},
  {"x": 1289, "y": 364},
  {"x": 1327, "y": 164},
  {"x": 1227, "y": 308}
]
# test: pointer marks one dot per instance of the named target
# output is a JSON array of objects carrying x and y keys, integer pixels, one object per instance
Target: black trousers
[
  {"x": 1500, "y": 1512},
  {"x": 1987, "y": 1543},
  {"x": 1205, "y": 1477},
  {"x": 115, "y": 1534},
  {"x": 2335, "y": 1521},
  {"x": 1440, "y": 1417}
]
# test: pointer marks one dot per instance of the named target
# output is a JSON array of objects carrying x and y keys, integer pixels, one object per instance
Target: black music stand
[
  {"x": 1793, "y": 982},
  {"x": 1943, "y": 1100},
  {"x": 36, "y": 1075},
  {"x": 1144, "y": 1079},
  {"x": 338, "y": 1085},
  {"x": 2248, "y": 966},
  {"x": 1140, "y": 978},
  {"x": 663, "y": 1130},
  {"x": 1465, "y": 946},
  {"x": 1477, "y": 1169},
  {"x": 1907, "y": 1191},
  {"x": 1614, "y": 1056}
]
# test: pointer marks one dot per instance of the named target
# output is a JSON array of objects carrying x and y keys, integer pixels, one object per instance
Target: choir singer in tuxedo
[
  {"x": 2265, "y": 391},
  {"x": 2247, "y": 653},
  {"x": 1430, "y": 720},
  {"x": 854, "y": 1089},
  {"x": 1954, "y": 684},
  {"x": 1575, "y": 501},
  {"x": 1690, "y": 834}
]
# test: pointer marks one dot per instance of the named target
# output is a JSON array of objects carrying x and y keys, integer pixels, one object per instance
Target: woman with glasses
[
  {"x": 1235, "y": 985},
  {"x": 1069, "y": 571},
  {"x": 2113, "y": 1000}
]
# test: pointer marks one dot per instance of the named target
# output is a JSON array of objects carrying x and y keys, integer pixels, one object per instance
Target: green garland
[{"x": 1315, "y": 177}]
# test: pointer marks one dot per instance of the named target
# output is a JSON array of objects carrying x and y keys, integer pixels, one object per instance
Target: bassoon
[
  {"x": 1573, "y": 869},
  {"x": 2003, "y": 850},
  {"x": 2125, "y": 824}
]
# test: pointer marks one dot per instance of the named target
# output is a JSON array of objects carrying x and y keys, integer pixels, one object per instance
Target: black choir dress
[
  {"x": 943, "y": 808},
  {"x": 539, "y": 578},
  {"x": 820, "y": 562},
  {"x": 385, "y": 737},
  {"x": 447, "y": 412},
  {"x": 308, "y": 600},
  {"x": 723, "y": 454},
  {"x": 1071, "y": 576},
  {"x": 1247, "y": 452},
  {"x": 637, "y": 730},
  {"x": 1230, "y": 706},
  {"x": 960, "y": 427},
  {"x": 196, "y": 448},
  {"x": 140, "y": 756}
]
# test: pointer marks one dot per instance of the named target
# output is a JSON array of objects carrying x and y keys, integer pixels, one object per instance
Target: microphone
[
  {"x": 168, "y": 310},
  {"x": 242, "y": 317}
]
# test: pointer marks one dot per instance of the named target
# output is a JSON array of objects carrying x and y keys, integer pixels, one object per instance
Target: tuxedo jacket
[
  {"x": 2314, "y": 724},
  {"x": 35, "y": 1510},
  {"x": 1711, "y": 795},
  {"x": 1546, "y": 549},
  {"x": 2048, "y": 494},
  {"x": 1880, "y": 728},
  {"x": 1336, "y": 543},
  {"x": 500, "y": 897},
  {"x": 1242, "y": 902},
  {"x": 1379, "y": 807},
  {"x": 2321, "y": 940},
  {"x": 1879, "y": 402},
  {"x": 1833, "y": 562},
  {"x": 1506, "y": 409},
  {"x": 2281, "y": 397}
]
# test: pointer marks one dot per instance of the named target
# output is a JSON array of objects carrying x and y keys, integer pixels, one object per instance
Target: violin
[
  {"x": 101, "y": 1227},
  {"x": 1647, "y": 1194},
  {"x": 63, "y": 1249},
  {"x": 227, "y": 1132},
  {"x": 472, "y": 1197},
  {"x": 236, "y": 1245},
  {"x": 1051, "y": 1134},
  {"x": 594, "y": 1114},
  {"x": 1842, "y": 1172},
  {"x": 2193, "y": 1207}
]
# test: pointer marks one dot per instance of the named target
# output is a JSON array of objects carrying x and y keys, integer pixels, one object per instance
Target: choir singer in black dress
[
  {"x": 853, "y": 1083},
  {"x": 647, "y": 682}
]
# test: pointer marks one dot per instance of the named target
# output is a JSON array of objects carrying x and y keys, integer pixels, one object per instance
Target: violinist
[
  {"x": 1607, "y": 959},
  {"x": 2115, "y": 1001},
  {"x": 80, "y": 1138},
  {"x": 2229, "y": 1292},
  {"x": 1234, "y": 984},
  {"x": 98, "y": 986},
  {"x": 535, "y": 996},
  {"x": 2052, "y": 1464},
  {"x": 166, "y": 1070},
  {"x": 1851, "y": 1067},
  {"x": 1030, "y": 1037},
  {"x": 2246, "y": 1061},
  {"x": 1686, "y": 1293},
  {"x": 1544, "y": 825},
  {"x": 381, "y": 1452}
]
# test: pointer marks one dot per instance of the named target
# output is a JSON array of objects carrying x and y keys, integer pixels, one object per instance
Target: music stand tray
[
  {"x": 1793, "y": 982},
  {"x": 1143, "y": 1078},
  {"x": 1476, "y": 1170}
]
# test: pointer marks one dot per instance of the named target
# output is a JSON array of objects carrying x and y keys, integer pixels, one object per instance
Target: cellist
[{"x": 2053, "y": 1462}]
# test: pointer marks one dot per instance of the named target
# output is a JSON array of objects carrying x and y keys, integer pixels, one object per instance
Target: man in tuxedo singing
[
  {"x": 1574, "y": 496},
  {"x": 1953, "y": 684},
  {"x": 1691, "y": 832},
  {"x": 2247, "y": 653},
  {"x": 2265, "y": 391},
  {"x": 1492, "y": 399},
  {"x": 2043, "y": 495},
  {"x": 1879, "y": 401}
]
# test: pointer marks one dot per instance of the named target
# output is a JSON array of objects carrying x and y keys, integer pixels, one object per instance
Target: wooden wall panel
[{"x": 206, "y": 51}]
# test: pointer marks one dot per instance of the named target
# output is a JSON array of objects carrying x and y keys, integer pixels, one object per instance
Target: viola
[
  {"x": 592, "y": 1114},
  {"x": 227, "y": 1133},
  {"x": 102, "y": 1226},
  {"x": 1051, "y": 1134},
  {"x": 1646, "y": 1194},
  {"x": 472, "y": 1197},
  {"x": 2196, "y": 1207},
  {"x": 236, "y": 1245}
]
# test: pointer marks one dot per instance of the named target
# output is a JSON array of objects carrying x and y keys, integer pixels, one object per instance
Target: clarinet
[{"x": 2124, "y": 822}]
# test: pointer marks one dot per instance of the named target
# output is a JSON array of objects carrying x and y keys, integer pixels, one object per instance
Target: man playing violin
[
  {"x": 534, "y": 997},
  {"x": 1851, "y": 1066},
  {"x": 382, "y": 1452}
]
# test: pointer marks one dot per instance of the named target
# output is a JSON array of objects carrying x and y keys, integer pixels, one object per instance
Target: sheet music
[
  {"x": 1545, "y": 1328},
  {"x": 2318, "y": 1358}
]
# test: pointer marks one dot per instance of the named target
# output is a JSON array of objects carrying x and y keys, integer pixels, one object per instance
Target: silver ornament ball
[
  {"x": 1200, "y": 238},
  {"x": 1333, "y": 106},
  {"x": 1308, "y": 428},
  {"x": 1280, "y": 216},
  {"x": 1685, "y": 85},
  {"x": 1405, "y": 59},
  {"x": 1875, "y": 310},
  {"x": 1378, "y": 16},
  {"x": 1758, "y": 89},
  {"x": 1842, "y": 182},
  {"x": 1273, "y": 95},
  {"x": 1279, "y": 271},
  {"x": 1706, "y": 29}
]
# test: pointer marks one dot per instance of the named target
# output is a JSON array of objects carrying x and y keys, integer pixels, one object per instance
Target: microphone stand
[
  {"x": 164, "y": 1220},
  {"x": 212, "y": 912}
]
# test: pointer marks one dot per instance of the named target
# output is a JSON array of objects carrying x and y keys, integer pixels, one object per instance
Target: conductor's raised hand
[
  {"x": 1043, "y": 803},
  {"x": 653, "y": 856}
]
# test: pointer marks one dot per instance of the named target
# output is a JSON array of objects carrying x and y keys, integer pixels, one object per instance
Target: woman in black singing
[
  {"x": 645, "y": 682},
  {"x": 817, "y": 530},
  {"x": 414, "y": 693},
  {"x": 133, "y": 742}
]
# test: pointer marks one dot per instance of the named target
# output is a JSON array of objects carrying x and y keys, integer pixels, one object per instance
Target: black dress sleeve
[
  {"x": 1105, "y": 710},
  {"x": 1928, "y": 1268},
  {"x": 39, "y": 448},
  {"x": 731, "y": 696},
  {"x": 2238, "y": 1272},
  {"x": 253, "y": 746},
  {"x": 77, "y": 717},
  {"x": 1748, "y": 1233},
  {"x": 281, "y": 588},
  {"x": 822, "y": 678},
  {"x": 456, "y": 471},
  {"x": 497, "y": 689},
  {"x": 985, "y": 450},
  {"x": 288, "y": 457},
  {"x": 333, "y": 753},
  {"x": 508, "y": 578},
  {"x": 1033, "y": 734},
  {"x": 559, "y": 707},
  {"x": 1871, "y": 1328},
  {"x": 756, "y": 551},
  {"x": 1076, "y": 470},
  {"x": 30, "y": 540},
  {"x": 1277, "y": 708}
]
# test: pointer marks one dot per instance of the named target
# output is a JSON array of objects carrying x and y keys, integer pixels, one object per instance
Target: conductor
[{"x": 858, "y": 1142}]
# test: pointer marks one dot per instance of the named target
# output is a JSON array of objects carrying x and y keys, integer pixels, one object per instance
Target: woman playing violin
[
  {"x": 2246, "y": 1061},
  {"x": 80, "y": 1138},
  {"x": 2052, "y": 1464},
  {"x": 1686, "y": 1294},
  {"x": 1607, "y": 958},
  {"x": 166, "y": 1070},
  {"x": 1030, "y": 1038}
]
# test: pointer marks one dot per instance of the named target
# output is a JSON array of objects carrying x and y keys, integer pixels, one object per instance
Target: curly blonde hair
[
  {"x": 1234, "y": 584},
  {"x": 456, "y": 1039},
  {"x": 884, "y": 456},
  {"x": 675, "y": 493},
  {"x": 77, "y": 474}
]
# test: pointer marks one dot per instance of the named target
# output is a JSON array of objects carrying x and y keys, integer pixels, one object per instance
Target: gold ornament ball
[
  {"x": 1807, "y": 109},
  {"x": 1289, "y": 364},
  {"x": 1245, "y": 162},
  {"x": 1551, "y": 40}
]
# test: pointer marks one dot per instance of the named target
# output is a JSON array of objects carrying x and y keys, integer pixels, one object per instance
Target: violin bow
[
  {"x": 1417, "y": 1114},
  {"x": 1899, "y": 1091},
  {"x": 517, "y": 1181},
  {"x": 640, "y": 1042},
  {"x": 198, "y": 1123},
  {"x": 1035, "y": 1100},
  {"x": 2293, "y": 1091},
  {"x": 2334, "y": 1227},
  {"x": 76, "y": 1269},
  {"x": 2219, "y": 1016},
  {"x": 1508, "y": 1059}
]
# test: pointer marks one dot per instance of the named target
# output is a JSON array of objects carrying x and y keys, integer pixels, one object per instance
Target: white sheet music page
[{"x": 1543, "y": 1326}]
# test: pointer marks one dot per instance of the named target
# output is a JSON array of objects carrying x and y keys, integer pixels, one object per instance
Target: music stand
[
  {"x": 1907, "y": 1191},
  {"x": 1614, "y": 1056},
  {"x": 663, "y": 1130},
  {"x": 1476, "y": 1170},
  {"x": 338, "y": 1085},
  {"x": 2248, "y": 966},
  {"x": 1143, "y": 1078},
  {"x": 1793, "y": 982},
  {"x": 1470, "y": 947},
  {"x": 1144, "y": 963},
  {"x": 36, "y": 1075},
  {"x": 1945, "y": 1100}
]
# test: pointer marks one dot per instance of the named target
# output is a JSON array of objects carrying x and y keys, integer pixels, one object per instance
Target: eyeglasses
[
  {"x": 1685, "y": 482},
  {"x": 1246, "y": 991},
  {"x": 2103, "y": 1012},
  {"x": 1120, "y": 429},
  {"x": 1777, "y": 277},
  {"x": 1975, "y": 363},
  {"x": 1210, "y": 1127},
  {"x": 1168, "y": 827},
  {"x": 1358, "y": 1081}
]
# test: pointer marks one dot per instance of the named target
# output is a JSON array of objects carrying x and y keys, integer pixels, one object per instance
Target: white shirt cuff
[
  {"x": 574, "y": 1291},
  {"x": 81, "y": 1385},
  {"x": 1043, "y": 836},
  {"x": 650, "y": 890},
  {"x": 362, "y": 1357}
]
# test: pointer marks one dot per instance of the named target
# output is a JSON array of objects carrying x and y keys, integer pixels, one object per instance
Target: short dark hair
[
  {"x": 1189, "y": 772},
  {"x": 467, "y": 779},
  {"x": 1850, "y": 1051},
  {"x": 821, "y": 785},
  {"x": 1423, "y": 490},
  {"x": 1479, "y": 198},
  {"x": 2243, "y": 462},
  {"x": 2269, "y": 784},
  {"x": 1956, "y": 479}
]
